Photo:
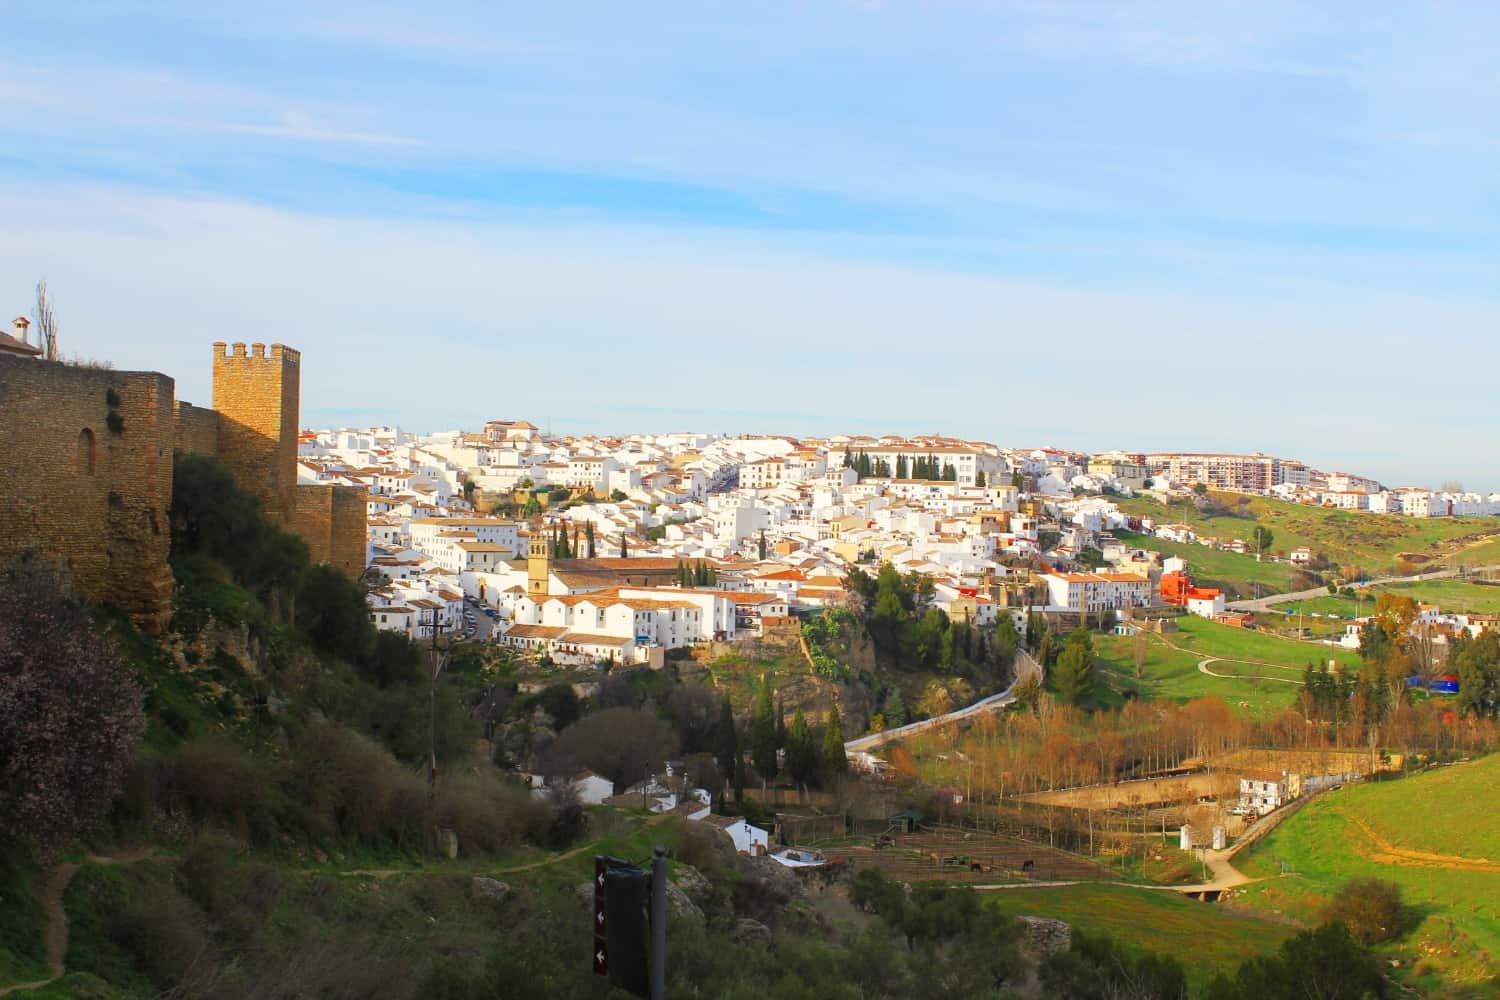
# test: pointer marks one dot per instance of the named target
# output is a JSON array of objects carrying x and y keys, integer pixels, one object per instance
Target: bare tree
[{"x": 46, "y": 322}]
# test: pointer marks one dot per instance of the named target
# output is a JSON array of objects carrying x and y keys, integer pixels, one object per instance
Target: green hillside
[
  {"x": 1434, "y": 834},
  {"x": 1207, "y": 940},
  {"x": 1374, "y": 542}
]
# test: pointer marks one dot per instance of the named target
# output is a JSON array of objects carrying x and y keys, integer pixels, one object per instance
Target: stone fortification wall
[{"x": 86, "y": 479}]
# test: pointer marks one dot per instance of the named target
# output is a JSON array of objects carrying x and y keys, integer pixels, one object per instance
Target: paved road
[
  {"x": 1265, "y": 603},
  {"x": 1025, "y": 667}
]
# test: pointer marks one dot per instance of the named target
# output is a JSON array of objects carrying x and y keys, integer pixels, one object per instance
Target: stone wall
[
  {"x": 348, "y": 533},
  {"x": 86, "y": 463},
  {"x": 331, "y": 520},
  {"x": 197, "y": 429},
  {"x": 86, "y": 470},
  {"x": 256, "y": 394}
]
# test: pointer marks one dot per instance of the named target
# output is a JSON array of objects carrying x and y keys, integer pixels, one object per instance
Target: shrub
[
  {"x": 70, "y": 714},
  {"x": 1371, "y": 909}
]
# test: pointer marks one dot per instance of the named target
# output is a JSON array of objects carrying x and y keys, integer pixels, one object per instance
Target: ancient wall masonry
[
  {"x": 86, "y": 479},
  {"x": 256, "y": 395},
  {"x": 86, "y": 469}
]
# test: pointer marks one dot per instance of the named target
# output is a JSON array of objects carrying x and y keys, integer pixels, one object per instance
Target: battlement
[{"x": 256, "y": 352}]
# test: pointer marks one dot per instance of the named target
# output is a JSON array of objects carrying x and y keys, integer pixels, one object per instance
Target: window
[{"x": 85, "y": 453}]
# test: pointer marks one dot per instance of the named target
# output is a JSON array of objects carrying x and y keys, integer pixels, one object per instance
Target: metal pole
[{"x": 659, "y": 924}]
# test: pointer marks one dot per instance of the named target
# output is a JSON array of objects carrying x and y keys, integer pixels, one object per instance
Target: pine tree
[
  {"x": 624, "y": 547},
  {"x": 763, "y": 734},
  {"x": 835, "y": 763},
  {"x": 1074, "y": 675},
  {"x": 895, "y": 709}
]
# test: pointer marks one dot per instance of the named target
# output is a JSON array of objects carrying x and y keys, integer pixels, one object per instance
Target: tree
[
  {"x": 835, "y": 763},
  {"x": 1323, "y": 964},
  {"x": 895, "y": 709},
  {"x": 1007, "y": 640},
  {"x": 618, "y": 496},
  {"x": 1262, "y": 537},
  {"x": 801, "y": 751},
  {"x": 762, "y": 546},
  {"x": 46, "y": 322},
  {"x": 1138, "y": 653},
  {"x": 726, "y": 739},
  {"x": 1371, "y": 909},
  {"x": 1478, "y": 665},
  {"x": 589, "y": 538},
  {"x": 763, "y": 734},
  {"x": 623, "y": 744},
  {"x": 903, "y": 468},
  {"x": 1395, "y": 613},
  {"x": 624, "y": 547},
  {"x": 70, "y": 713},
  {"x": 979, "y": 478},
  {"x": 1074, "y": 676}
]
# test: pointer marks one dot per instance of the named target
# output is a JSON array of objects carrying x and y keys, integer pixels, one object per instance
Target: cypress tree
[
  {"x": 801, "y": 750},
  {"x": 589, "y": 535},
  {"x": 902, "y": 469},
  {"x": 624, "y": 547},
  {"x": 726, "y": 740},
  {"x": 835, "y": 763},
  {"x": 979, "y": 478},
  {"x": 763, "y": 541},
  {"x": 763, "y": 734}
]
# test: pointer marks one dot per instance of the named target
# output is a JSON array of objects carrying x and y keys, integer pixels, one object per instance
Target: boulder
[
  {"x": 693, "y": 882},
  {"x": 489, "y": 890},
  {"x": 681, "y": 907},
  {"x": 1043, "y": 936},
  {"x": 774, "y": 877},
  {"x": 747, "y": 931}
]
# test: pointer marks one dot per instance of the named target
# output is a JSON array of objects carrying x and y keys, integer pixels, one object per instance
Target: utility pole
[
  {"x": 659, "y": 923},
  {"x": 438, "y": 661}
]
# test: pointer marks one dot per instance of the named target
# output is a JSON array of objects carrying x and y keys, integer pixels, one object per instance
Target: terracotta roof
[
  {"x": 10, "y": 345},
  {"x": 535, "y": 631}
]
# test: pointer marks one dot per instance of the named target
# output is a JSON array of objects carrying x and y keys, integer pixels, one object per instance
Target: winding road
[
  {"x": 1026, "y": 667},
  {"x": 1265, "y": 603}
]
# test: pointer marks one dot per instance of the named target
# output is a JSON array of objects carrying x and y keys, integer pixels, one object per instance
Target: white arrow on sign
[
  {"x": 599, "y": 955},
  {"x": 599, "y": 917},
  {"x": 600, "y": 879}
]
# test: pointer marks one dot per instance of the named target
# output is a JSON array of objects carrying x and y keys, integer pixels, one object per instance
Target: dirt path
[
  {"x": 53, "y": 890},
  {"x": 1388, "y": 853},
  {"x": 1203, "y": 669}
]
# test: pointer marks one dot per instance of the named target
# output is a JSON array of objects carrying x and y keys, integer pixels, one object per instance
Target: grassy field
[
  {"x": 1214, "y": 568},
  {"x": 1207, "y": 940},
  {"x": 1262, "y": 672},
  {"x": 1371, "y": 541},
  {"x": 1435, "y": 835}
]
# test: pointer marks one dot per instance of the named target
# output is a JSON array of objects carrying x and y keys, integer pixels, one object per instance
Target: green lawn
[
  {"x": 1206, "y": 939},
  {"x": 1450, "y": 595},
  {"x": 1173, "y": 675},
  {"x": 1207, "y": 638},
  {"x": 1445, "y": 812},
  {"x": 1371, "y": 541}
]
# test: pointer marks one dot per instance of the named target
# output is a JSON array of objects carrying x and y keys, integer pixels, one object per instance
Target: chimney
[{"x": 21, "y": 323}]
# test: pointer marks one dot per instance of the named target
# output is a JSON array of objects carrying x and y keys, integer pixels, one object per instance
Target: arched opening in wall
[{"x": 85, "y": 455}]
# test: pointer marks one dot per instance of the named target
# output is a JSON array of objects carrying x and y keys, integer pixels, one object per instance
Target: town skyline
[{"x": 1017, "y": 222}]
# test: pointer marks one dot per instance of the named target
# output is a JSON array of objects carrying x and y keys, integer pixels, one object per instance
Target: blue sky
[{"x": 1154, "y": 225}]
